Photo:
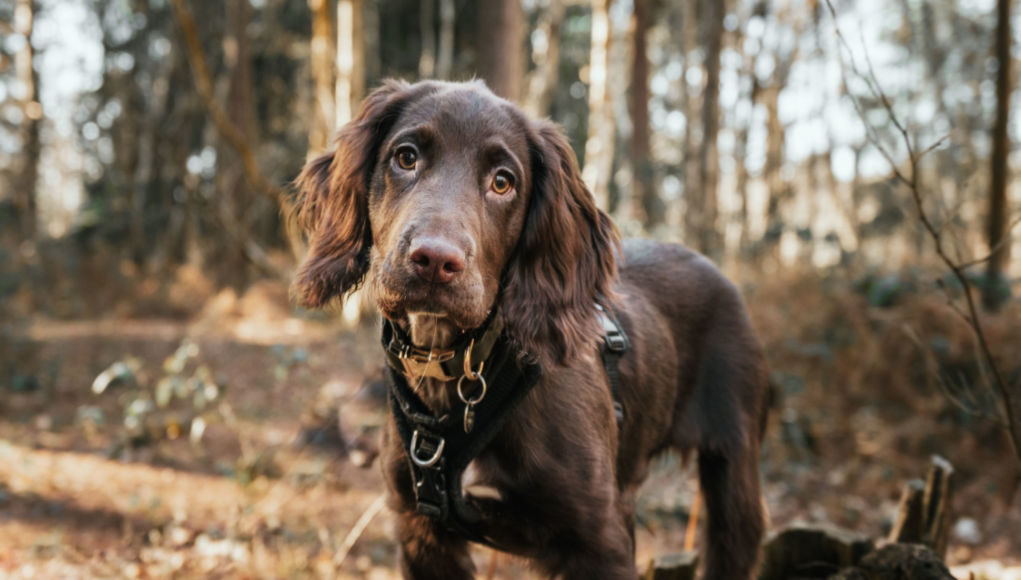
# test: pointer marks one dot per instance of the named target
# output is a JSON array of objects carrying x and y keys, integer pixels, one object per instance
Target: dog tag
[{"x": 469, "y": 418}]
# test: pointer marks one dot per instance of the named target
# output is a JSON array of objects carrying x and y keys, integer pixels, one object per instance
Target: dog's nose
[{"x": 436, "y": 260}]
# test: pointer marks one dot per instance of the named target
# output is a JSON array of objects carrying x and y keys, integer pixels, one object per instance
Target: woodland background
[{"x": 166, "y": 411}]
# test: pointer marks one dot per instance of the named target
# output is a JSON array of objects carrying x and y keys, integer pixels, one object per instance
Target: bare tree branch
[
  {"x": 227, "y": 129},
  {"x": 992, "y": 251},
  {"x": 251, "y": 249},
  {"x": 910, "y": 180}
]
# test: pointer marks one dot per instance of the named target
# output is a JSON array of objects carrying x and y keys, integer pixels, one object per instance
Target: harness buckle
[
  {"x": 613, "y": 335},
  {"x": 424, "y": 355},
  {"x": 615, "y": 341},
  {"x": 424, "y": 452}
]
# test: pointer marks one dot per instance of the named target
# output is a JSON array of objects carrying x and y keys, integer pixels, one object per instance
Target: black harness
[
  {"x": 615, "y": 344},
  {"x": 492, "y": 378}
]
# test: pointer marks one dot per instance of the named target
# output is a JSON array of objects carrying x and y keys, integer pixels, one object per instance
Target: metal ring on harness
[
  {"x": 425, "y": 463},
  {"x": 468, "y": 372},
  {"x": 478, "y": 377}
]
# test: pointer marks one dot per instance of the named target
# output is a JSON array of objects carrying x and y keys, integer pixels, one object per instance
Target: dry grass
[{"x": 863, "y": 403}]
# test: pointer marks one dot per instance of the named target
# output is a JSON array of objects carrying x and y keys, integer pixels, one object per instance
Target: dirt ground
[{"x": 262, "y": 494}]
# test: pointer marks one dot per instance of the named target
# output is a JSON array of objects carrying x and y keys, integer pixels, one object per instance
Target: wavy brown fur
[
  {"x": 332, "y": 201},
  {"x": 566, "y": 258}
]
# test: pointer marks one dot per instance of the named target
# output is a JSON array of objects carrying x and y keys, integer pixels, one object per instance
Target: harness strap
[
  {"x": 615, "y": 344},
  {"x": 439, "y": 449}
]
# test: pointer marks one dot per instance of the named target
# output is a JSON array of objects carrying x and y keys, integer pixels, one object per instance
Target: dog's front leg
[{"x": 427, "y": 552}]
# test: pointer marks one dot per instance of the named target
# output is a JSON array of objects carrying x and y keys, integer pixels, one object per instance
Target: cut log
[
  {"x": 910, "y": 523},
  {"x": 924, "y": 514},
  {"x": 898, "y": 562},
  {"x": 939, "y": 488},
  {"x": 677, "y": 566},
  {"x": 811, "y": 552}
]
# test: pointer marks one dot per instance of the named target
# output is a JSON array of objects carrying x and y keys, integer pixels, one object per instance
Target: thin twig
[
  {"x": 359, "y": 527},
  {"x": 968, "y": 402},
  {"x": 999, "y": 245},
  {"x": 971, "y": 317}
]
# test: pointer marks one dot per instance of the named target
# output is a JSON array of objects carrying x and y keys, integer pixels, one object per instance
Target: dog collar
[{"x": 463, "y": 359}]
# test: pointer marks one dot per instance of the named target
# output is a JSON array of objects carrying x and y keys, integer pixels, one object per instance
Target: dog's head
[{"x": 455, "y": 203}]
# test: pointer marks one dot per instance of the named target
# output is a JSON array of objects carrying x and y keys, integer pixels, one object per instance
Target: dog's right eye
[{"x": 407, "y": 158}]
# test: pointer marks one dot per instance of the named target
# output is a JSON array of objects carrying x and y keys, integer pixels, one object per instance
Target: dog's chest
[{"x": 482, "y": 479}]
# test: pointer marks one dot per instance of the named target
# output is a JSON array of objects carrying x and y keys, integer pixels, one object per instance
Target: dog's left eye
[
  {"x": 407, "y": 158},
  {"x": 502, "y": 182}
]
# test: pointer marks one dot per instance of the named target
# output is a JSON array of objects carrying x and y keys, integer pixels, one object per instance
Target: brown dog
[{"x": 467, "y": 216}]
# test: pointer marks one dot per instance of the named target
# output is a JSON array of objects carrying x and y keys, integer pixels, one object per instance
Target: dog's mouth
[
  {"x": 447, "y": 309},
  {"x": 432, "y": 330}
]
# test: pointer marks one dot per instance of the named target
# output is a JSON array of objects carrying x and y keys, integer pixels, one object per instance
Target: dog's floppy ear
[
  {"x": 332, "y": 201},
  {"x": 565, "y": 259}
]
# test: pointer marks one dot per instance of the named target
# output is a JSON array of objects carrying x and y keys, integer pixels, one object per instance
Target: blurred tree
[
  {"x": 646, "y": 206},
  {"x": 32, "y": 113},
  {"x": 993, "y": 295},
  {"x": 445, "y": 49},
  {"x": 235, "y": 196},
  {"x": 321, "y": 62},
  {"x": 704, "y": 206},
  {"x": 350, "y": 59},
  {"x": 598, "y": 158},
  {"x": 758, "y": 13},
  {"x": 690, "y": 103},
  {"x": 501, "y": 46},
  {"x": 437, "y": 55},
  {"x": 427, "y": 25},
  {"x": 543, "y": 82},
  {"x": 569, "y": 96},
  {"x": 779, "y": 190}
]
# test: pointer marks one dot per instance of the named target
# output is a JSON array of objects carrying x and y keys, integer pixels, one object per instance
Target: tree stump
[
  {"x": 910, "y": 523},
  {"x": 677, "y": 566},
  {"x": 924, "y": 514},
  {"x": 898, "y": 562},
  {"x": 811, "y": 552}
]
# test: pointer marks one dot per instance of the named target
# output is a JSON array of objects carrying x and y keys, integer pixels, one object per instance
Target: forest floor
[{"x": 865, "y": 401}]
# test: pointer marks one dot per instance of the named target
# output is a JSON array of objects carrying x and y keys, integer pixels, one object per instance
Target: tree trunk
[
  {"x": 689, "y": 103},
  {"x": 646, "y": 206},
  {"x": 445, "y": 52},
  {"x": 708, "y": 239},
  {"x": 350, "y": 59},
  {"x": 774, "y": 161},
  {"x": 427, "y": 27},
  {"x": 322, "y": 53},
  {"x": 369, "y": 44},
  {"x": 599, "y": 144},
  {"x": 543, "y": 82},
  {"x": 239, "y": 100},
  {"x": 777, "y": 189},
  {"x": 994, "y": 293},
  {"x": 235, "y": 198},
  {"x": 28, "y": 172},
  {"x": 741, "y": 155},
  {"x": 146, "y": 169},
  {"x": 501, "y": 46}
]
